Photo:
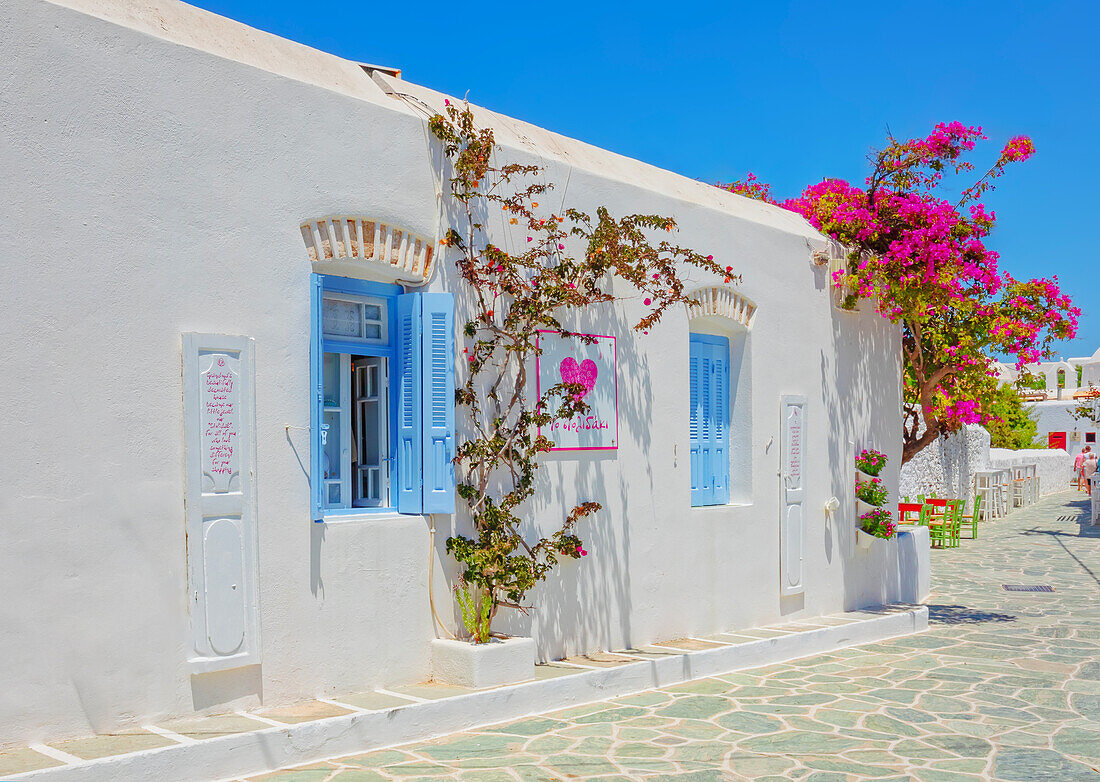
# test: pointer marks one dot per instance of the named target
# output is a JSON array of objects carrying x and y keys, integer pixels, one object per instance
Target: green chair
[
  {"x": 937, "y": 533},
  {"x": 959, "y": 509},
  {"x": 974, "y": 517}
]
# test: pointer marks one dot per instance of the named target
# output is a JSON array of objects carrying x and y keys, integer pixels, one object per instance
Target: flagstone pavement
[{"x": 1004, "y": 685}]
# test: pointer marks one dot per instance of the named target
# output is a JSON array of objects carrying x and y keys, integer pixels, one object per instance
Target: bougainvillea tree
[
  {"x": 922, "y": 260},
  {"x": 514, "y": 293}
]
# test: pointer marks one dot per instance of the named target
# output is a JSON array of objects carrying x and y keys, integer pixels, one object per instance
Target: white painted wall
[
  {"x": 1053, "y": 466},
  {"x": 947, "y": 466},
  {"x": 155, "y": 175},
  {"x": 1058, "y": 417}
]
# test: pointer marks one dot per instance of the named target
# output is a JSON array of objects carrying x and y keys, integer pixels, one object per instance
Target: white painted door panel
[
  {"x": 792, "y": 491},
  {"x": 223, "y": 571},
  {"x": 219, "y": 501}
]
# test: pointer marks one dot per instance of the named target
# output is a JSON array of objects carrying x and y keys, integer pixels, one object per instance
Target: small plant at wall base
[
  {"x": 476, "y": 608},
  {"x": 870, "y": 462},
  {"x": 923, "y": 261},
  {"x": 873, "y": 492},
  {"x": 879, "y": 523},
  {"x": 515, "y": 294}
]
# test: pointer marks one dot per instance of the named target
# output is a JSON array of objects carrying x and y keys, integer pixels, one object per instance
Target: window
[
  {"x": 1090, "y": 437},
  {"x": 709, "y": 378},
  {"x": 383, "y": 416},
  {"x": 355, "y": 427}
]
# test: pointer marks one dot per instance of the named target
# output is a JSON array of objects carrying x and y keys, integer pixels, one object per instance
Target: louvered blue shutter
[
  {"x": 720, "y": 460},
  {"x": 316, "y": 401},
  {"x": 439, "y": 402},
  {"x": 708, "y": 364},
  {"x": 706, "y": 428},
  {"x": 695, "y": 424},
  {"x": 409, "y": 405}
]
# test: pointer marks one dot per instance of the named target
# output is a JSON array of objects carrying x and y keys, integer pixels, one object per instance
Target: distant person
[
  {"x": 1089, "y": 469},
  {"x": 1079, "y": 466}
]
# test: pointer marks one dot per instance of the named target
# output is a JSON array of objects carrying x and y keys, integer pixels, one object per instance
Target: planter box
[
  {"x": 499, "y": 662},
  {"x": 866, "y": 540},
  {"x": 864, "y": 507}
]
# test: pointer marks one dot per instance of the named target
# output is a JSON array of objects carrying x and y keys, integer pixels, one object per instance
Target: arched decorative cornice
[
  {"x": 722, "y": 302},
  {"x": 358, "y": 246}
]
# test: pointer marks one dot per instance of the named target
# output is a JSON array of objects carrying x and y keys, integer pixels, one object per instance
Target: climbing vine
[{"x": 516, "y": 293}]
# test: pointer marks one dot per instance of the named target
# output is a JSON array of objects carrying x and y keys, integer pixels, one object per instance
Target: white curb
[{"x": 268, "y": 749}]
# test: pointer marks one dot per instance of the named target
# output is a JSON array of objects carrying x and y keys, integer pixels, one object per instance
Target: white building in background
[
  {"x": 1060, "y": 377},
  {"x": 1054, "y": 407},
  {"x": 216, "y": 241},
  {"x": 1059, "y": 428}
]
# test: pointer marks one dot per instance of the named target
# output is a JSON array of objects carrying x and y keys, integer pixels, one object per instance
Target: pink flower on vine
[{"x": 646, "y": 302}]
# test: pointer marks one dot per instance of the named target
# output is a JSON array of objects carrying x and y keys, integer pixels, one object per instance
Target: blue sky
[{"x": 793, "y": 92}]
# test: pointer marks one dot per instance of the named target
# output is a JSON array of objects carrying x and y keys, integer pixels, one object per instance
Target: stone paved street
[{"x": 1003, "y": 686}]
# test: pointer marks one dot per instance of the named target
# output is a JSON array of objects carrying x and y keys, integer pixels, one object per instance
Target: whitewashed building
[
  {"x": 1064, "y": 379},
  {"x": 1054, "y": 408},
  {"x": 223, "y": 483}
]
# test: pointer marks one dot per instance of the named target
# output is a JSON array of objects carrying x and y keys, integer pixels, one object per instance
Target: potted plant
[
  {"x": 484, "y": 660},
  {"x": 870, "y": 495},
  {"x": 877, "y": 523},
  {"x": 870, "y": 462}
]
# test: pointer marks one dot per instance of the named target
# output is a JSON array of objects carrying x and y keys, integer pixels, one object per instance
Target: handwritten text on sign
[
  {"x": 588, "y": 364},
  {"x": 794, "y": 447},
  {"x": 220, "y": 403}
]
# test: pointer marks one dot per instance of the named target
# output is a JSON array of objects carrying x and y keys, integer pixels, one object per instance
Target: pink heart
[{"x": 585, "y": 373}]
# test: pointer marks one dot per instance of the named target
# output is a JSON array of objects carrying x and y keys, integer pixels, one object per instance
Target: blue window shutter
[
  {"x": 409, "y": 405},
  {"x": 720, "y": 461},
  {"x": 316, "y": 401},
  {"x": 695, "y": 422},
  {"x": 438, "y": 353},
  {"x": 709, "y": 362},
  {"x": 706, "y": 428}
]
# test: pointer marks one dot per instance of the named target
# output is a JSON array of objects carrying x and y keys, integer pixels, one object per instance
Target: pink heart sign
[{"x": 583, "y": 373}]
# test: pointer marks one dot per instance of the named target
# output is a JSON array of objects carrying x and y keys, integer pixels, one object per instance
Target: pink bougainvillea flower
[
  {"x": 528, "y": 238},
  {"x": 646, "y": 302}
]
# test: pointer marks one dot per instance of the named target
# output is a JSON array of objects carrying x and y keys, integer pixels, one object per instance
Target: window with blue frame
[
  {"x": 382, "y": 420},
  {"x": 708, "y": 420}
]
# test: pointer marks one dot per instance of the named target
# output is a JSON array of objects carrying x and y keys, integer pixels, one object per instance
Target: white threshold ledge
[{"x": 270, "y": 749}]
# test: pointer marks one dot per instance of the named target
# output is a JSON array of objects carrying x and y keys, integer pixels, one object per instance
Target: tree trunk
[{"x": 912, "y": 447}]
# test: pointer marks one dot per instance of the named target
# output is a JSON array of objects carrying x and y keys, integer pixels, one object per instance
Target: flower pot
[
  {"x": 864, "y": 507},
  {"x": 499, "y": 662},
  {"x": 867, "y": 475},
  {"x": 863, "y": 539}
]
